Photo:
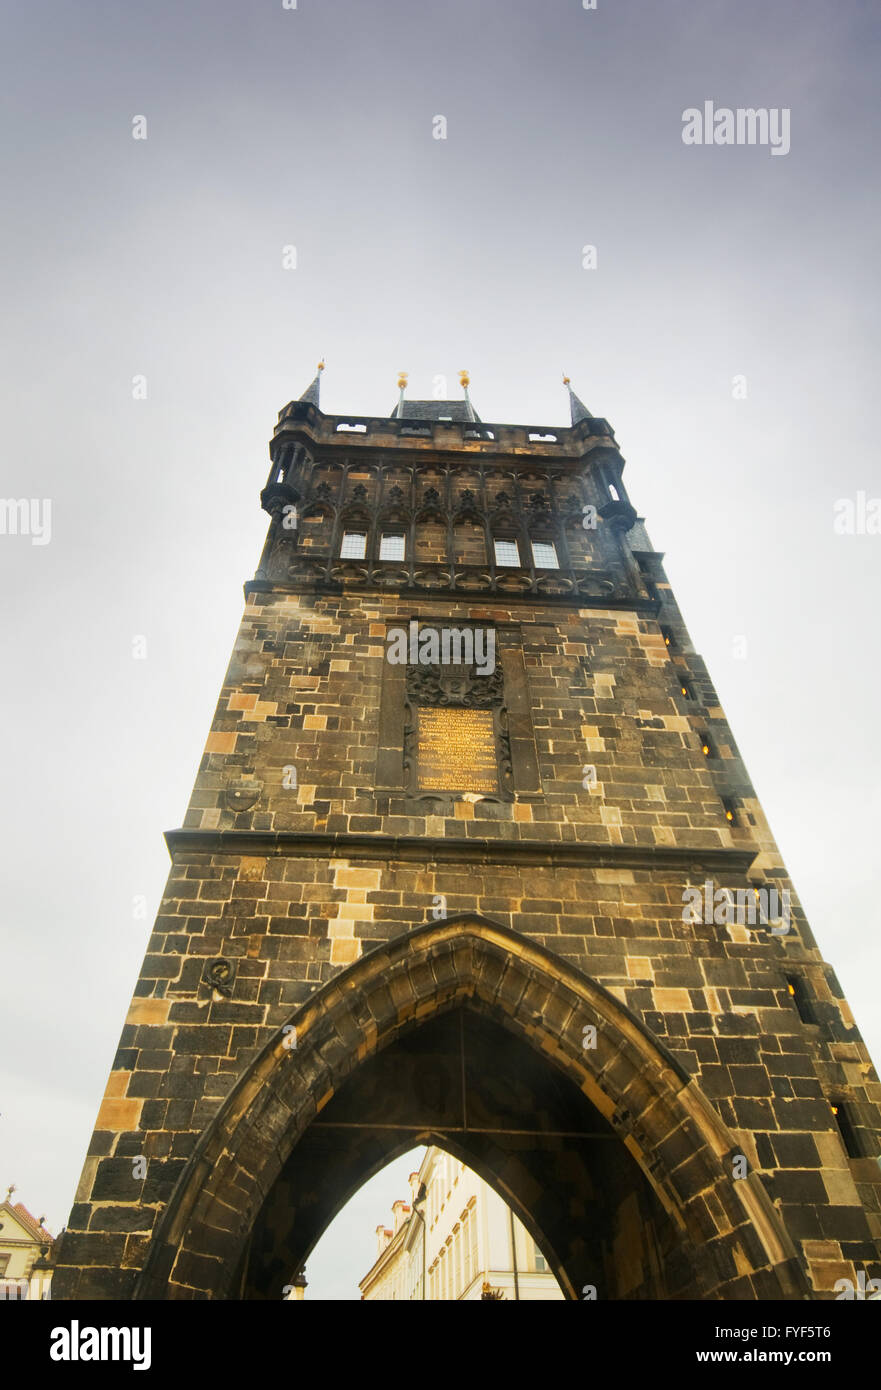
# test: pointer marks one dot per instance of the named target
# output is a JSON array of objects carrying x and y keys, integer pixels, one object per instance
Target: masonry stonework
[{"x": 308, "y": 853}]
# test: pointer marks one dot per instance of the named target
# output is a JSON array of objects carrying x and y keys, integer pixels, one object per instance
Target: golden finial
[
  {"x": 464, "y": 380},
  {"x": 321, "y": 365},
  {"x": 402, "y": 380},
  {"x": 565, "y": 379}
]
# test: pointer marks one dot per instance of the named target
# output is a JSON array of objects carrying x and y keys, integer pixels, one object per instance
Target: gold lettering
[{"x": 457, "y": 750}]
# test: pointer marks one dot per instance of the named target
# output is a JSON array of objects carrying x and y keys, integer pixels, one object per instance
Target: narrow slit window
[
  {"x": 707, "y": 746},
  {"x": 354, "y": 546},
  {"x": 667, "y": 636},
  {"x": 849, "y": 1137},
  {"x": 507, "y": 554},
  {"x": 686, "y": 689},
  {"x": 613, "y": 493},
  {"x": 730, "y": 810},
  {"x": 392, "y": 547},
  {"x": 798, "y": 993},
  {"x": 544, "y": 553}
]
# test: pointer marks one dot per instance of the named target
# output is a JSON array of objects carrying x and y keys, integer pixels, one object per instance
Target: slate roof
[{"x": 436, "y": 410}]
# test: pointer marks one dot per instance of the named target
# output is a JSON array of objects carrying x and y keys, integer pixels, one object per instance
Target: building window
[
  {"x": 798, "y": 993},
  {"x": 507, "y": 554},
  {"x": 539, "y": 1260},
  {"x": 841, "y": 1114},
  {"x": 354, "y": 546},
  {"x": 392, "y": 547},
  {"x": 4, "y": 1263},
  {"x": 475, "y": 1266},
  {"x": 544, "y": 553}
]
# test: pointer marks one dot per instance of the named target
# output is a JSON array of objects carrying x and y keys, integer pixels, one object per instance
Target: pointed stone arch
[{"x": 728, "y": 1228}]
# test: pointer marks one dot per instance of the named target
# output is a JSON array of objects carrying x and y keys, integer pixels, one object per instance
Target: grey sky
[{"x": 269, "y": 127}]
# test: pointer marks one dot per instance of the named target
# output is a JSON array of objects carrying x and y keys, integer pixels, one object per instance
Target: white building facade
[{"x": 461, "y": 1239}]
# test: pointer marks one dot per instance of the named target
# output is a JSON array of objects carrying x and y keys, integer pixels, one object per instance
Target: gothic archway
[{"x": 641, "y": 1145}]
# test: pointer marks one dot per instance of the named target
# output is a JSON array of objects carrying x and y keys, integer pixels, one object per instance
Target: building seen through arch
[
  {"x": 472, "y": 861},
  {"x": 455, "y": 1239}
]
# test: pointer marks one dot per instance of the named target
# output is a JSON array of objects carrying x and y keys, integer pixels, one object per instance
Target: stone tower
[{"x": 472, "y": 859}]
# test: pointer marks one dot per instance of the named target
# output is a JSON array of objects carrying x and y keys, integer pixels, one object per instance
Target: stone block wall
[{"x": 286, "y": 878}]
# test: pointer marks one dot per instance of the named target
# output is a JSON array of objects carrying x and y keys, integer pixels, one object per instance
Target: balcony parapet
[{"x": 301, "y": 419}]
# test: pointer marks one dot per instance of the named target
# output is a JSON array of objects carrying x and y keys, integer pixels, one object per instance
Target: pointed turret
[
  {"x": 313, "y": 390},
  {"x": 577, "y": 409}
]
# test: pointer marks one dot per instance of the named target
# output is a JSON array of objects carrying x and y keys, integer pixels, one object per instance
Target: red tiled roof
[{"x": 31, "y": 1223}]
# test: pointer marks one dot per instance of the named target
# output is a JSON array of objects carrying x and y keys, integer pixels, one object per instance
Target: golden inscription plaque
[{"x": 457, "y": 750}]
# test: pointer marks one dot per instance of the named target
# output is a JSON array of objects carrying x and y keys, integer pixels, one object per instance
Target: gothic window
[
  {"x": 392, "y": 546},
  {"x": 544, "y": 553},
  {"x": 354, "y": 546},
  {"x": 507, "y": 554}
]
